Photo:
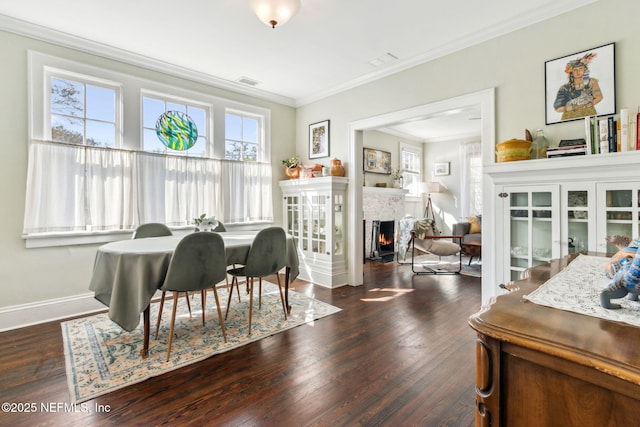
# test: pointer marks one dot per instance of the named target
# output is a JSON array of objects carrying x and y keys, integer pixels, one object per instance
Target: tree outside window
[
  {"x": 243, "y": 135},
  {"x": 82, "y": 113}
]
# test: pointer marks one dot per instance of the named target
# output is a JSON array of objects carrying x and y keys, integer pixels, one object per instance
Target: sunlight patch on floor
[{"x": 395, "y": 293}]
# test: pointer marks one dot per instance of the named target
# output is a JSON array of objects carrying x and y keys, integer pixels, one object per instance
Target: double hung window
[
  {"x": 96, "y": 163},
  {"x": 410, "y": 167},
  {"x": 471, "y": 179}
]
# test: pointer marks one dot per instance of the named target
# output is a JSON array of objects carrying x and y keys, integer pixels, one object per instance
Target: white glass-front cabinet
[
  {"x": 618, "y": 212},
  {"x": 314, "y": 214},
  {"x": 543, "y": 226},
  {"x": 533, "y": 234}
]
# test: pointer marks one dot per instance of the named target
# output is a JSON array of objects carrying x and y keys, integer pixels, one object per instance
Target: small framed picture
[
  {"x": 441, "y": 169},
  {"x": 580, "y": 85},
  {"x": 376, "y": 161},
  {"x": 319, "y": 139}
]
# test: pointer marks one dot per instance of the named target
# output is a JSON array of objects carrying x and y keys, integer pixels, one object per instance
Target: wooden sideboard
[{"x": 539, "y": 366}]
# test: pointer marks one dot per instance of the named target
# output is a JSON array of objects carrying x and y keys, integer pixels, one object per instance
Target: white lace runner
[{"x": 577, "y": 288}]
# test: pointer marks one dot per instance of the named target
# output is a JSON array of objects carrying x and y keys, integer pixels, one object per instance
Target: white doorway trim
[{"x": 486, "y": 100}]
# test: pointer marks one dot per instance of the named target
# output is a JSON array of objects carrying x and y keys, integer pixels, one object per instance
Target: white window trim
[
  {"x": 50, "y": 72},
  {"x": 262, "y": 153},
  {"x": 133, "y": 88},
  {"x": 130, "y": 96}
]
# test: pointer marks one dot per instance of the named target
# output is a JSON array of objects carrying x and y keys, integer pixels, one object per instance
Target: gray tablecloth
[{"x": 127, "y": 273}]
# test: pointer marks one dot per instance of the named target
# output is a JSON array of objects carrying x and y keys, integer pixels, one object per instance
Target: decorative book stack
[
  {"x": 614, "y": 133},
  {"x": 568, "y": 147}
]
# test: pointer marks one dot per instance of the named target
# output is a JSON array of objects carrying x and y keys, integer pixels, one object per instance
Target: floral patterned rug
[
  {"x": 577, "y": 288},
  {"x": 101, "y": 357}
]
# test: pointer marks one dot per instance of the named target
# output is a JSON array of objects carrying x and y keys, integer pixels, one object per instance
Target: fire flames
[{"x": 385, "y": 240}]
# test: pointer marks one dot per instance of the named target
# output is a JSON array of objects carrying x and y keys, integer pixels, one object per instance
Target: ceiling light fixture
[{"x": 275, "y": 12}]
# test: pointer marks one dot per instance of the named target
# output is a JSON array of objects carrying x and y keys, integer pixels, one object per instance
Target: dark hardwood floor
[{"x": 400, "y": 353}]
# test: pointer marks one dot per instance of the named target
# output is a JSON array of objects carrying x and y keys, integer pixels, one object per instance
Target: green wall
[{"x": 39, "y": 274}]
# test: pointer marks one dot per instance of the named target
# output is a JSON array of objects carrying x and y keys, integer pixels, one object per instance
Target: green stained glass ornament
[{"x": 176, "y": 130}]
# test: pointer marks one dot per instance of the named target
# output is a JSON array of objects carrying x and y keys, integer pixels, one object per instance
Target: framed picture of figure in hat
[{"x": 580, "y": 85}]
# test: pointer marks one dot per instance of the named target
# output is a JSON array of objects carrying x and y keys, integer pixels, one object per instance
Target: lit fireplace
[{"x": 382, "y": 241}]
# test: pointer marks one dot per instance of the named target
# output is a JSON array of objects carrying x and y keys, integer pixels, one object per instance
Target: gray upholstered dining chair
[
  {"x": 267, "y": 255},
  {"x": 198, "y": 263},
  {"x": 156, "y": 229},
  {"x": 220, "y": 228},
  {"x": 151, "y": 229}
]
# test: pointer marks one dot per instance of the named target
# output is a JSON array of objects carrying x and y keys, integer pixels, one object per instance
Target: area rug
[
  {"x": 101, "y": 357},
  {"x": 577, "y": 288}
]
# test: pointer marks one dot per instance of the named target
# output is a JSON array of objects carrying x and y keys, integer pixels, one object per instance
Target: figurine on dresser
[{"x": 624, "y": 271}]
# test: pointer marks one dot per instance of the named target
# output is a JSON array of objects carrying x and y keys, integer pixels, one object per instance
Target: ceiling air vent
[
  {"x": 248, "y": 81},
  {"x": 383, "y": 59}
]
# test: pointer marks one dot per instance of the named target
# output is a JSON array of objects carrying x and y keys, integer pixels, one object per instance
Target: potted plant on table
[
  {"x": 292, "y": 167},
  {"x": 205, "y": 224}
]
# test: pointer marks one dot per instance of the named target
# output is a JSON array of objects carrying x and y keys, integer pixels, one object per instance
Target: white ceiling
[{"x": 326, "y": 48}]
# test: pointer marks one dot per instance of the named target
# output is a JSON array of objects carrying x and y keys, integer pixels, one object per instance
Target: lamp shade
[
  {"x": 430, "y": 187},
  {"x": 275, "y": 12}
]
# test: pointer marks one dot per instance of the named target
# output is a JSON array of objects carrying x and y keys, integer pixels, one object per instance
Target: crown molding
[
  {"x": 37, "y": 32},
  {"x": 522, "y": 21},
  {"x": 48, "y": 35}
]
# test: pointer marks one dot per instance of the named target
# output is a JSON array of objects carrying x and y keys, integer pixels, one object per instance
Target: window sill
[{"x": 46, "y": 240}]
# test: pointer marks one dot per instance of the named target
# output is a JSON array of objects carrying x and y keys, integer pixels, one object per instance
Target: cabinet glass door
[
  {"x": 314, "y": 232},
  {"x": 338, "y": 207},
  {"x": 577, "y": 217},
  {"x": 619, "y": 205},
  {"x": 533, "y": 227},
  {"x": 292, "y": 210}
]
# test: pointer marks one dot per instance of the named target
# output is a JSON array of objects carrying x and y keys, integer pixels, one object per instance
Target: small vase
[
  {"x": 336, "y": 168},
  {"x": 292, "y": 172}
]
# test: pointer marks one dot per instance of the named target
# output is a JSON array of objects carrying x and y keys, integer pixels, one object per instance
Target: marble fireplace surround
[{"x": 384, "y": 204}]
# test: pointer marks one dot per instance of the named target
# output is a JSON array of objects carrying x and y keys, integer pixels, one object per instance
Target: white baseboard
[{"x": 19, "y": 316}]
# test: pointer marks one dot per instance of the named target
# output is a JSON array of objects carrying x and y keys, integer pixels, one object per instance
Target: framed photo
[
  {"x": 441, "y": 169},
  {"x": 377, "y": 161},
  {"x": 319, "y": 140},
  {"x": 580, "y": 85}
]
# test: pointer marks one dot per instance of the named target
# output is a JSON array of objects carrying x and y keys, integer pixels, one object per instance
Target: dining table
[{"x": 128, "y": 273}]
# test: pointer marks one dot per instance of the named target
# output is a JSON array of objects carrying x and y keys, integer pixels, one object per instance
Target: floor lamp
[{"x": 429, "y": 187}]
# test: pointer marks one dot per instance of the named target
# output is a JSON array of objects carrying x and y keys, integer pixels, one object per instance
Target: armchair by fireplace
[{"x": 418, "y": 235}]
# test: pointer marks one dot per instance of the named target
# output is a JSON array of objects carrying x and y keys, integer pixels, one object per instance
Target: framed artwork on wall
[
  {"x": 580, "y": 85},
  {"x": 377, "y": 161},
  {"x": 441, "y": 169},
  {"x": 319, "y": 139}
]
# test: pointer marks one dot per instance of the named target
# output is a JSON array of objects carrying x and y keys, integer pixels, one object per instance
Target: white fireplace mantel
[{"x": 384, "y": 204}]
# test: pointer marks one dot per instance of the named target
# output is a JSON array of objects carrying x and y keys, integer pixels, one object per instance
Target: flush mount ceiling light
[{"x": 275, "y": 12}]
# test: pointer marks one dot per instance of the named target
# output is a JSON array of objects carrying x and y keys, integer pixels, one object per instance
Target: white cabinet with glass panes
[
  {"x": 532, "y": 233},
  {"x": 314, "y": 214},
  {"x": 618, "y": 212}
]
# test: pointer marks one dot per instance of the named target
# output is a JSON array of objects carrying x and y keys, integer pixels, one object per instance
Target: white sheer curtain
[
  {"x": 173, "y": 190},
  {"x": 471, "y": 179},
  {"x": 77, "y": 188},
  {"x": 109, "y": 179},
  {"x": 82, "y": 188},
  {"x": 248, "y": 196}
]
